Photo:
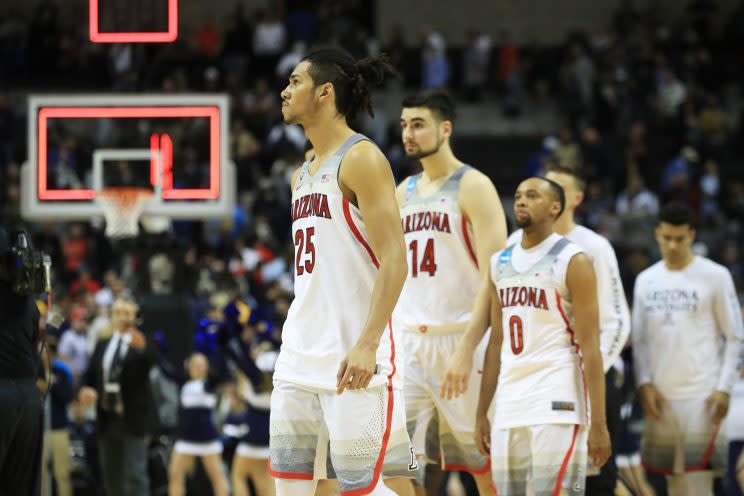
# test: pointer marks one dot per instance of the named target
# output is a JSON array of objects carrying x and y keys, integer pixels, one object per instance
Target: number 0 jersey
[
  {"x": 335, "y": 271},
  {"x": 443, "y": 275},
  {"x": 541, "y": 379}
]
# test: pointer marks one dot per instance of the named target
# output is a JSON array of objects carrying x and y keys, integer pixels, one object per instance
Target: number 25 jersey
[
  {"x": 335, "y": 271},
  {"x": 541, "y": 379}
]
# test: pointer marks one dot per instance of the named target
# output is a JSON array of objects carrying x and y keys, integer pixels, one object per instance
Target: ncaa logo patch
[{"x": 505, "y": 257}]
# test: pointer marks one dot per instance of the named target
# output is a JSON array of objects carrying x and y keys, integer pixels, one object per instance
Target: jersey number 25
[{"x": 303, "y": 241}]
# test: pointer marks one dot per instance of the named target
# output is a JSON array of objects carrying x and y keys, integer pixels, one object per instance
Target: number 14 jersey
[
  {"x": 541, "y": 379},
  {"x": 443, "y": 276}
]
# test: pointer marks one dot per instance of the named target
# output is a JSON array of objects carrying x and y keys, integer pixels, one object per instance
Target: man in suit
[{"x": 117, "y": 380}]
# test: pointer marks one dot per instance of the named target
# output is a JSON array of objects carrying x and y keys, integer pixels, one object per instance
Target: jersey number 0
[{"x": 515, "y": 334}]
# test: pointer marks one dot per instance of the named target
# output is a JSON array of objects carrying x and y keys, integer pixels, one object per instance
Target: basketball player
[
  {"x": 687, "y": 345},
  {"x": 333, "y": 391},
  {"x": 543, "y": 301},
  {"x": 614, "y": 316},
  {"x": 453, "y": 221}
]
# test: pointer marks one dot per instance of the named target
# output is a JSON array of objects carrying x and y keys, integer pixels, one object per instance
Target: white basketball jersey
[
  {"x": 541, "y": 379},
  {"x": 443, "y": 275},
  {"x": 335, "y": 271}
]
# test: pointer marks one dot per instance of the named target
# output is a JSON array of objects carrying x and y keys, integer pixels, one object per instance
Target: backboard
[
  {"x": 174, "y": 145},
  {"x": 133, "y": 21}
]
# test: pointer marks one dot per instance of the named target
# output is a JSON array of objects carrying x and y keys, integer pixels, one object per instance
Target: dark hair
[
  {"x": 351, "y": 79},
  {"x": 677, "y": 214},
  {"x": 440, "y": 102},
  {"x": 575, "y": 172},
  {"x": 558, "y": 192}
]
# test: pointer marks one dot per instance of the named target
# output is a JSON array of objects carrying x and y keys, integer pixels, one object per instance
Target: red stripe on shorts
[
  {"x": 564, "y": 465},
  {"x": 389, "y": 414}
]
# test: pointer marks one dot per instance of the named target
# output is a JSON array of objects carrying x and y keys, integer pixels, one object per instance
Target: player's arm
[
  {"x": 651, "y": 400},
  {"x": 582, "y": 284},
  {"x": 489, "y": 381},
  {"x": 457, "y": 374},
  {"x": 614, "y": 325},
  {"x": 480, "y": 203},
  {"x": 367, "y": 174},
  {"x": 728, "y": 320}
]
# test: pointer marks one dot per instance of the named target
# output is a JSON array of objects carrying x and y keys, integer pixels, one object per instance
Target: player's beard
[
  {"x": 418, "y": 155},
  {"x": 289, "y": 118},
  {"x": 292, "y": 117},
  {"x": 527, "y": 222}
]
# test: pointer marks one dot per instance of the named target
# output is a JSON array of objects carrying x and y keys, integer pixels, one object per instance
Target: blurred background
[{"x": 647, "y": 97}]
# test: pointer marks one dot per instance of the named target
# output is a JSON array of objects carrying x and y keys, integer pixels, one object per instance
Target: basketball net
[{"x": 122, "y": 207}]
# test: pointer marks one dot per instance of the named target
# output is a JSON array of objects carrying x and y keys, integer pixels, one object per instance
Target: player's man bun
[{"x": 352, "y": 79}]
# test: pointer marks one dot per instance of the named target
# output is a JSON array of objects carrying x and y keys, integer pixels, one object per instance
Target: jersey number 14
[{"x": 428, "y": 263}]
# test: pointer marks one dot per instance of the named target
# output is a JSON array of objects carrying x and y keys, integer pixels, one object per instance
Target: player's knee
[
  {"x": 290, "y": 487},
  {"x": 381, "y": 489}
]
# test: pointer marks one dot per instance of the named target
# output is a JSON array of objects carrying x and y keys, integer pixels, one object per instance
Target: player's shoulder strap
[
  {"x": 352, "y": 140},
  {"x": 411, "y": 186},
  {"x": 452, "y": 186},
  {"x": 558, "y": 247}
]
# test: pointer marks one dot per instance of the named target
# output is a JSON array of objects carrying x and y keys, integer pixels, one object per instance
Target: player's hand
[
  {"x": 42, "y": 385},
  {"x": 718, "y": 404},
  {"x": 138, "y": 340},
  {"x": 357, "y": 369},
  {"x": 651, "y": 401},
  {"x": 457, "y": 374},
  {"x": 600, "y": 447},
  {"x": 483, "y": 435},
  {"x": 87, "y": 396}
]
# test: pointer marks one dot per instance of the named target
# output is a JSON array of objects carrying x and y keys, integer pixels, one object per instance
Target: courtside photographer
[{"x": 23, "y": 276}]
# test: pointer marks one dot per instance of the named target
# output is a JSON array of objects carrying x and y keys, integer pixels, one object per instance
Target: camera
[{"x": 27, "y": 271}]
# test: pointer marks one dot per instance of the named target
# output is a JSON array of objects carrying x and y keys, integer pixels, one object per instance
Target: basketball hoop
[{"x": 122, "y": 208}]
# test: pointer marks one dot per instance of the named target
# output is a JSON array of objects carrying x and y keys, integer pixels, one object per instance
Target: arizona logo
[
  {"x": 523, "y": 297},
  {"x": 314, "y": 205},
  {"x": 434, "y": 221}
]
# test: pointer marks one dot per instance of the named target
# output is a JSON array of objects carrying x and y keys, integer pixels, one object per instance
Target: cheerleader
[
  {"x": 198, "y": 436},
  {"x": 252, "y": 455}
]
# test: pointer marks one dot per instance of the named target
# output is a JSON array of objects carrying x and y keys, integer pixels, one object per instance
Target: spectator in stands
[
  {"x": 269, "y": 39},
  {"x": 57, "y": 385},
  {"x": 476, "y": 64},
  {"x": 568, "y": 153},
  {"x": 73, "y": 345},
  {"x": 208, "y": 39},
  {"x": 710, "y": 186},
  {"x": 84, "y": 284},
  {"x": 540, "y": 161},
  {"x": 434, "y": 63},
  {"x": 85, "y": 468},
  {"x": 636, "y": 200},
  {"x": 672, "y": 93},
  {"x": 75, "y": 250},
  {"x": 117, "y": 382}
]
